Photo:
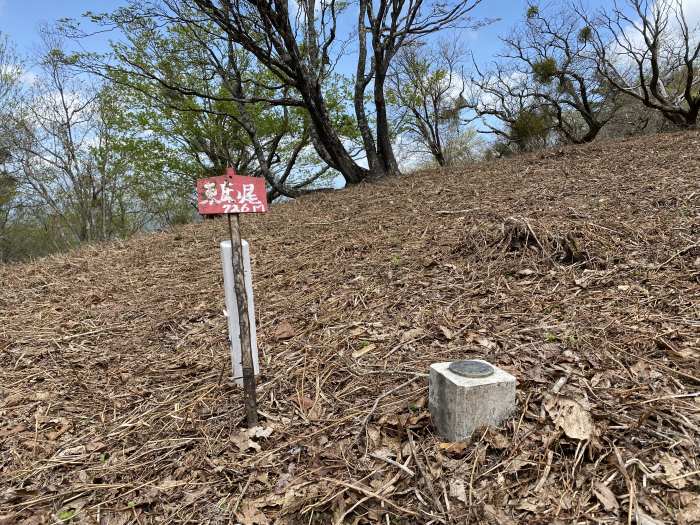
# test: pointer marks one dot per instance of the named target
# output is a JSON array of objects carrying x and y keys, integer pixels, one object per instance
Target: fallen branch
[
  {"x": 371, "y": 494},
  {"x": 394, "y": 463},
  {"x": 677, "y": 254}
]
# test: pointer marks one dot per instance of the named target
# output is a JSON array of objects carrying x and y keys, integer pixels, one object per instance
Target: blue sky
[{"x": 20, "y": 20}]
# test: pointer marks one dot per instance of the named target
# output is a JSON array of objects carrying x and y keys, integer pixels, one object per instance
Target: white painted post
[{"x": 232, "y": 310}]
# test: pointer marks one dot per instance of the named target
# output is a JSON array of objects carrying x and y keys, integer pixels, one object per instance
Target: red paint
[{"x": 231, "y": 193}]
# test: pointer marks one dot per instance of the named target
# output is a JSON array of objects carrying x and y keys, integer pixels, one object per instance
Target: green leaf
[{"x": 66, "y": 515}]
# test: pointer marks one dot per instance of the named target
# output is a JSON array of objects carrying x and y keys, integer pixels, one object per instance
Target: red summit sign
[{"x": 231, "y": 193}]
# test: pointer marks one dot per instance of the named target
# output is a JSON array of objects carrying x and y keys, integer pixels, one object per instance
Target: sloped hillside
[{"x": 577, "y": 270}]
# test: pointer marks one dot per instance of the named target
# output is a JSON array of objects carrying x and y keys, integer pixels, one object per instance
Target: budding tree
[
  {"x": 67, "y": 165},
  {"x": 427, "y": 91},
  {"x": 298, "y": 44},
  {"x": 552, "y": 48},
  {"x": 385, "y": 28}
]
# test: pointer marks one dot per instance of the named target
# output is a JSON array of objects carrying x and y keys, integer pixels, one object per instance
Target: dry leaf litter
[{"x": 577, "y": 270}]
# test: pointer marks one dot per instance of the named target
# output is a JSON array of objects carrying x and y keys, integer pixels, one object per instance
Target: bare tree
[
  {"x": 65, "y": 160},
  {"x": 392, "y": 25},
  {"x": 10, "y": 73},
  {"x": 427, "y": 87},
  {"x": 503, "y": 98},
  {"x": 646, "y": 50}
]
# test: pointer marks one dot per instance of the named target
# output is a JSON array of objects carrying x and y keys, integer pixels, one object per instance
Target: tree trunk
[
  {"x": 691, "y": 117},
  {"x": 331, "y": 148},
  {"x": 439, "y": 157},
  {"x": 385, "y": 150},
  {"x": 361, "y": 82},
  {"x": 593, "y": 130},
  {"x": 679, "y": 119}
]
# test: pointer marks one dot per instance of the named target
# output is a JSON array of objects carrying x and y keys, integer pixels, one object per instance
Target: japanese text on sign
[{"x": 231, "y": 193}]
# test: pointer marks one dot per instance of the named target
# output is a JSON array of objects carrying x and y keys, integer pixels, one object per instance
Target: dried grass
[{"x": 577, "y": 270}]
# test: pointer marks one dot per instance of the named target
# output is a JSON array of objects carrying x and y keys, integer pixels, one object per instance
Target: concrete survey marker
[{"x": 461, "y": 404}]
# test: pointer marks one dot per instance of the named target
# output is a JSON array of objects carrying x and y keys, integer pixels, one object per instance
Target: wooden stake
[{"x": 251, "y": 403}]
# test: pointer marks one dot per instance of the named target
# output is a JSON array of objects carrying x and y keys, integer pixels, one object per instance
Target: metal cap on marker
[{"x": 471, "y": 368}]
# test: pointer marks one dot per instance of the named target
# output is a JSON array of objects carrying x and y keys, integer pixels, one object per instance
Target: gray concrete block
[{"x": 459, "y": 405}]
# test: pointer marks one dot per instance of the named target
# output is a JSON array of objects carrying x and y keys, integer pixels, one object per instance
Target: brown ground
[{"x": 576, "y": 270}]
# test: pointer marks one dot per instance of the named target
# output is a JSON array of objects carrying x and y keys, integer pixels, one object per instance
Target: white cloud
[
  {"x": 692, "y": 12},
  {"x": 28, "y": 78},
  {"x": 17, "y": 72},
  {"x": 621, "y": 58}
]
